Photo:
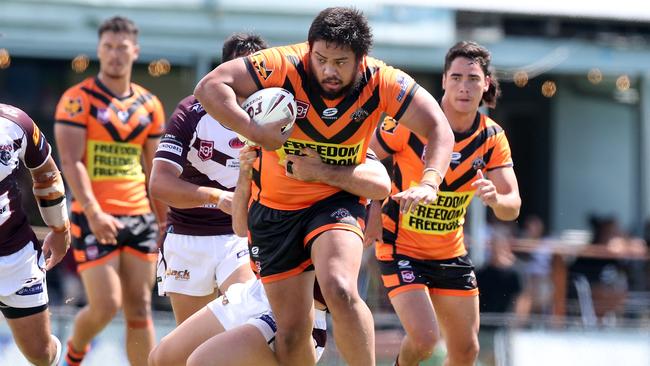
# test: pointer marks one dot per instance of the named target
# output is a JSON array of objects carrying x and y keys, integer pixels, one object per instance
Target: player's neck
[
  {"x": 459, "y": 122},
  {"x": 120, "y": 87}
]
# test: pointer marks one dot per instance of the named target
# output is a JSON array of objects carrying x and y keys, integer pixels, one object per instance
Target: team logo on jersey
[
  {"x": 123, "y": 116},
  {"x": 389, "y": 124},
  {"x": 302, "y": 107},
  {"x": 259, "y": 64},
  {"x": 73, "y": 106},
  {"x": 5, "y": 156},
  {"x": 359, "y": 115},
  {"x": 144, "y": 120},
  {"x": 407, "y": 276},
  {"x": 205, "y": 150},
  {"x": 478, "y": 163},
  {"x": 103, "y": 115}
]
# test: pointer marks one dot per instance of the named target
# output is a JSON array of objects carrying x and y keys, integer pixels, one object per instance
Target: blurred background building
[{"x": 575, "y": 106}]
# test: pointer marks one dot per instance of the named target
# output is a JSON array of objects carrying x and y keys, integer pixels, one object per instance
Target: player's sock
[
  {"x": 74, "y": 357},
  {"x": 59, "y": 350},
  {"x": 396, "y": 360}
]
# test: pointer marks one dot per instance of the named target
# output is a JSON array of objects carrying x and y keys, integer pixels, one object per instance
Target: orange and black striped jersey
[
  {"x": 339, "y": 130},
  {"x": 435, "y": 231},
  {"x": 116, "y": 132}
]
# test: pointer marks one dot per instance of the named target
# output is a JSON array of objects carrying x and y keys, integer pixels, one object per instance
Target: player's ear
[{"x": 136, "y": 48}]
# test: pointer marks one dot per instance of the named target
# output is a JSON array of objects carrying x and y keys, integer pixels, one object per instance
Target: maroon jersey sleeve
[{"x": 177, "y": 137}]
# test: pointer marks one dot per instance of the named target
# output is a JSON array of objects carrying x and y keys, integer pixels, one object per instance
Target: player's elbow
[{"x": 380, "y": 187}]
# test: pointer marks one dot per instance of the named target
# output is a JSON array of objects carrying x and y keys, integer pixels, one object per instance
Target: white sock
[{"x": 59, "y": 350}]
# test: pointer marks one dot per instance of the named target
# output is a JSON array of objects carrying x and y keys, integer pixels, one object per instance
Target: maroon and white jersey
[
  {"x": 207, "y": 154},
  {"x": 20, "y": 140}
]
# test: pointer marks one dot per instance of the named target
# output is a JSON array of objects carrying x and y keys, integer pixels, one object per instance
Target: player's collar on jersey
[
  {"x": 106, "y": 90},
  {"x": 460, "y": 136}
]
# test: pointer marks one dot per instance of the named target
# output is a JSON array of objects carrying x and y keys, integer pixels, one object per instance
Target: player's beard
[{"x": 314, "y": 82}]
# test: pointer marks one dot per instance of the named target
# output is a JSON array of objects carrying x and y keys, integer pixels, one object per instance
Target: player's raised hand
[
  {"x": 485, "y": 189},
  {"x": 421, "y": 194}
]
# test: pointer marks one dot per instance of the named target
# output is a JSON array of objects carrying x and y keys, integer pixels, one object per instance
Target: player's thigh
[
  {"x": 336, "y": 255},
  {"x": 102, "y": 284},
  {"x": 243, "y": 345},
  {"x": 185, "y": 305},
  {"x": 292, "y": 301},
  {"x": 458, "y": 317},
  {"x": 31, "y": 332},
  {"x": 415, "y": 312},
  {"x": 176, "y": 347}
]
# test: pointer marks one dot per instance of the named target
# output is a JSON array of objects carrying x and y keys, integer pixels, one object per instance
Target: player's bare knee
[
  {"x": 339, "y": 293},
  {"x": 423, "y": 343},
  {"x": 157, "y": 355},
  {"x": 106, "y": 309},
  {"x": 465, "y": 353},
  {"x": 39, "y": 353},
  {"x": 291, "y": 339}
]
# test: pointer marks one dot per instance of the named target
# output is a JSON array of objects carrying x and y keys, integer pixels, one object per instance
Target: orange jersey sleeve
[
  {"x": 73, "y": 107},
  {"x": 268, "y": 67},
  {"x": 391, "y": 136},
  {"x": 397, "y": 90},
  {"x": 501, "y": 155},
  {"x": 158, "y": 119}
]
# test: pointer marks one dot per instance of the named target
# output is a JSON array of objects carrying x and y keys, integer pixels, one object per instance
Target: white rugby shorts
[
  {"x": 22, "y": 279},
  {"x": 196, "y": 265},
  {"x": 246, "y": 303}
]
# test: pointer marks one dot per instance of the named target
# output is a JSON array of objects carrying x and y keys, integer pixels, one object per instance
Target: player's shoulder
[
  {"x": 141, "y": 90},
  {"x": 86, "y": 84},
  {"x": 188, "y": 108},
  {"x": 17, "y": 116},
  {"x": 490, "y": 124}
]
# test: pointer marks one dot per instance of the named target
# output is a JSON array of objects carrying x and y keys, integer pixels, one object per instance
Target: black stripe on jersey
[
  {"x": 108, "y": 125},
  {"x": 155, "y": 135},
  {"x": 460, "y": 136},
  {"x": 466, "y": 177},
  {"x": 397, "y": 177},
  {"x": 217, "y": 156},
  {"x": 382, "y": 142},
  {"x": 136, "y": 131},
  {"x": 70, "y": 123},
  {"x": 352, "y": 127},
  {"x": 106, "y": 90},
  {"x": 391, "y": 209},
  {"x": 102, "y": 97},
  {"x": 253, "y": 73},
  {"x": 416, "y": 144},
  {"x": 142, "y": 99},
  {"x": 257, "y": 175},
  {"x": 407, "y": 101},
  {"x": 478, "y": 141},
  {"x": 50, "y": 203}
]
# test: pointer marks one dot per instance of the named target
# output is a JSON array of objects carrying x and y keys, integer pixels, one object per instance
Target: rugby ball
[{"x": 273, "y": 110}]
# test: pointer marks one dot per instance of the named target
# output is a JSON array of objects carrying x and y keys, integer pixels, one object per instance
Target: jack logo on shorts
[
  {"x": 33, "y": 290},
  {"x": 408, "y": 276},
  {"x": 183, "y": 275}
]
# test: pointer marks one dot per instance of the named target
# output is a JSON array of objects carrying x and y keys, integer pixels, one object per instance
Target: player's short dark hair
[
  {"x": 118, "y": 24},
  {"x": 481, "y": 55},
  {"x": 342, "y": 26},
  {"x": 241, "y": 44}
]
